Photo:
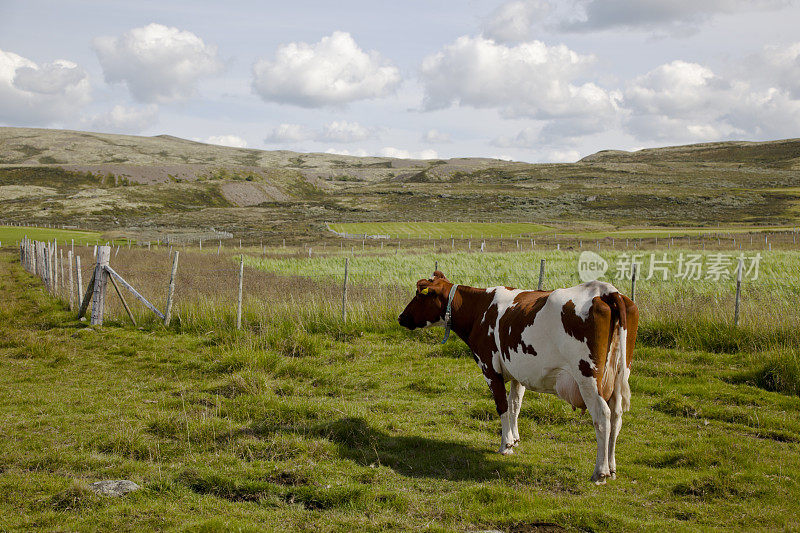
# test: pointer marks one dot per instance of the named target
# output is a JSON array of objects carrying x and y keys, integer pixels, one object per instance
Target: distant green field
[
  {"x": 649, "y": 233},
  {"x": 442, "y": 230},
  {"x": 495, "y": 230},
  {"x": 13, "y": 234}
]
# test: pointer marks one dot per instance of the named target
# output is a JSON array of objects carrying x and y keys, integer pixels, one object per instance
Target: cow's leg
[
  {"x": 498, "y": 388},
  {"x": 601, "y": 417},
  {"x": 615, "y": 405},
  {"x": 515, "y": 393}
]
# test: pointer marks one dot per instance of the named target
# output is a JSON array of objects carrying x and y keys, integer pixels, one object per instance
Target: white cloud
[
  {"x": 776, "y": 66},
  {"x": 687, "y": 102},
  {"x": 337, "y": 151},
  {"x": 158, "y": 63},
  {"x": 227, "y": 140},
  {"x": 767, "y": 114},
  {"x": 398, "y": 153},
  {"x": 333, "y": 71},
  {"x": 681, "y": 101},
  {"x": 562, "y": 156},
  {"x": 288, "y": 133},
  {"x": 513, "y": 21},
  {"x": 674, "y": 16},
  {"x": 530, "y": 79},
  {"x": 521, "y": 20},
  {"x": 526, "y": 138},
  {"x": 436, "y": 136},
  {"x": 342, "y": 131},
  {"x": 32, "y": 94},
  {"x": 122, "y": 119}
]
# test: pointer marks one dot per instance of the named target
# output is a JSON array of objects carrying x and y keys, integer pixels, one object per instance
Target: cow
[{"x": 576, "y": 343}]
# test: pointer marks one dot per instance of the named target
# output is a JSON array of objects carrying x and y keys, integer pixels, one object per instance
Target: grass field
[
  {"x": 442, "y": 230},
  {"x": 496, "y": 230},
  {"x": 13, "y": 234},
  {"x": 306, "y": 423},
  {"x": 685, "y": 301}
]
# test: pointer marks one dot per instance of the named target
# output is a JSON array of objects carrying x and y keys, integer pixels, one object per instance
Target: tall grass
[{"x": 288, "y": 294}]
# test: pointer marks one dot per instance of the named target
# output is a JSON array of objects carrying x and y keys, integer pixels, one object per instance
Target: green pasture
[
  {"x": 13, "y": 234},
  {"x": 442, "y": 230},
  {"x": 307, "y": 423},
  {"x": 509, "y": 230}
]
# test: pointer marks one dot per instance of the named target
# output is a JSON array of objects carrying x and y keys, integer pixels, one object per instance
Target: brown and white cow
[{"x": 576, "y": 343}]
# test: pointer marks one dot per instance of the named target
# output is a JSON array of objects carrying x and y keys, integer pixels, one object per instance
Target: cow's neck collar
[
  {"x": 448, "y": 314},
  {"x": 467, "y": 309}
]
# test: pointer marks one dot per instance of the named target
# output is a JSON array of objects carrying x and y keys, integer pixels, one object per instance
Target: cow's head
[{"x": 428, "y": 306}]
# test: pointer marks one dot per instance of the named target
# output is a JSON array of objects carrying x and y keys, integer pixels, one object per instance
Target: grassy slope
[{"x": 360, "y": 429}]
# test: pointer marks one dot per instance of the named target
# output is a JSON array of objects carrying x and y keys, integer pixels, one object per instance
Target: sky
[{"x": 528, "y": 80}]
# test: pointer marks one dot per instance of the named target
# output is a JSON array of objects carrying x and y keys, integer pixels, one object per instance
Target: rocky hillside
[{"x": 142, "y": 185}]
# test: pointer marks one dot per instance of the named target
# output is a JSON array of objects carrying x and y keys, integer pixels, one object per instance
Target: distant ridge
[{"x": 781, "y": 153}]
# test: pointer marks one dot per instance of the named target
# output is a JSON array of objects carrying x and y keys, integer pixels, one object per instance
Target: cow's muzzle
[{"x": 406, "y": 321}]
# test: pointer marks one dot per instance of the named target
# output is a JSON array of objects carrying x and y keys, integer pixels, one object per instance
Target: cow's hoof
[
  {"x": 516, "y": 442},
  {"x": 613, "y": 474},
  {"x": 599, "y": 478},
  {"x": 506, "y": 449}
]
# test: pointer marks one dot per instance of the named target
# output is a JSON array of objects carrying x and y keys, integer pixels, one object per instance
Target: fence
[
  {"x": 46, "y": 260},
  {"x": 248, "y": 288}
]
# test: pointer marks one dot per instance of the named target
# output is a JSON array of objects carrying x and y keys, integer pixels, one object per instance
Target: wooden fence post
[
  {"x": 344, "y": 289},
  {"x": 71, "y": 282},
  {"x": 738, "y": 291},
  {"x": 48, "y": 275},
  {"x": 239, "y": 299},
  {"x": 541, "y": 275},
  {"x": 61, "y": 265},
  {"x": 100, "y": 280},
  {"x": 171, "y": 290},
  {"x": 633, "y": 282},
  {"x": 54, "y": 267},
  {"x": 79, "y": 275}
]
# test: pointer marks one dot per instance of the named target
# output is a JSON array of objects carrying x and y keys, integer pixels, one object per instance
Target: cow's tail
[{"x": 623, "y": 372}]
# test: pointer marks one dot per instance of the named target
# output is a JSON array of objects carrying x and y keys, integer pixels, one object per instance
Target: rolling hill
[{"x": 147, "y": 186}]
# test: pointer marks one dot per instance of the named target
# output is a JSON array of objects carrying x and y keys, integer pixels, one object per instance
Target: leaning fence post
[
  {"x": 171, "y": 290},
  {"x": 738, "y": 291},
  {"x": 122, "y": 299},
  {"x": 541, "y": 275},
  {"x": 100, "y": 280},
  {"x": 239, "y": 300},
  {"x": 633, "y": 282},
  {"x": 344, "y": 288}
]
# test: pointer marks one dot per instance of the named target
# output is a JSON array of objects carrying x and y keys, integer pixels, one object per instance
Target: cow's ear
[{"x": 439, "y": 275}]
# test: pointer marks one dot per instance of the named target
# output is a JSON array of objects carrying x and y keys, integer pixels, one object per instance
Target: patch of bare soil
[
  {"x": 144, "y": 174},
  {"x": 245, "y": 194},
  {"x": 14, "y": 192}
]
